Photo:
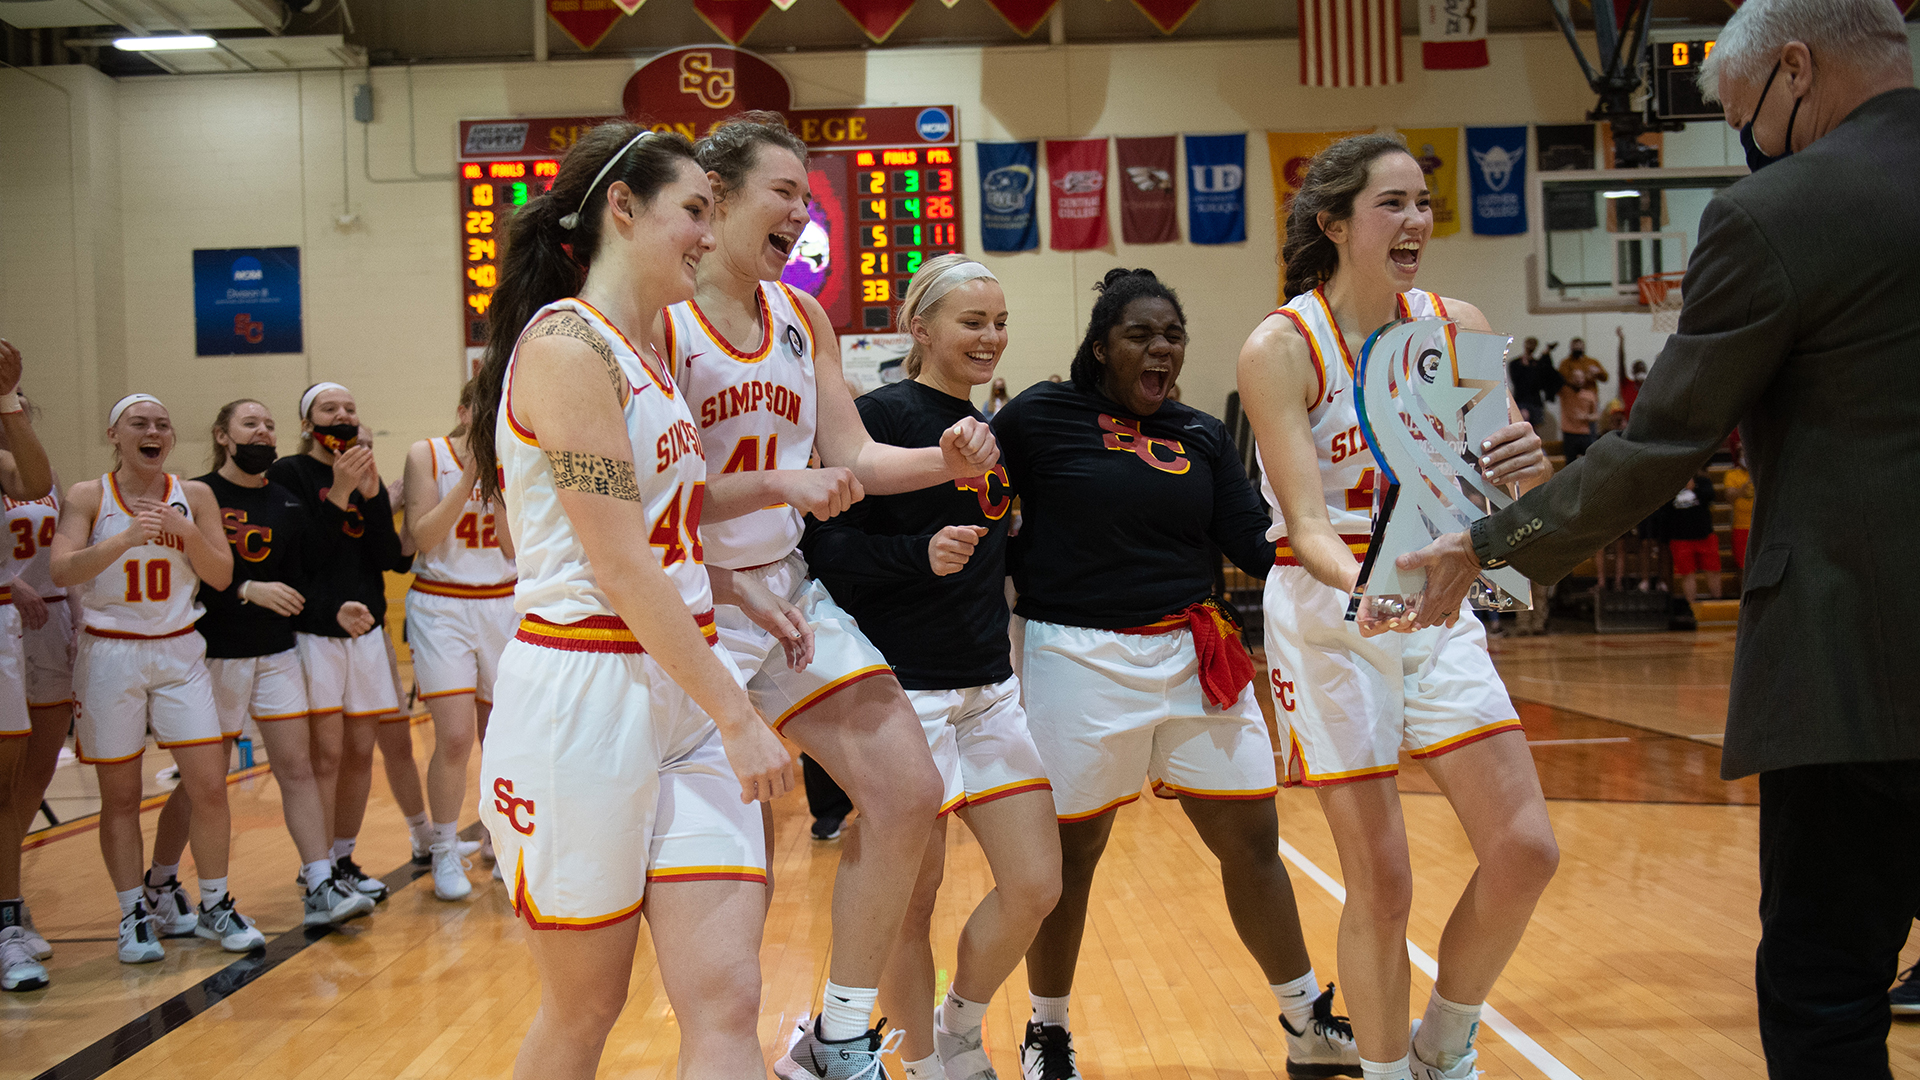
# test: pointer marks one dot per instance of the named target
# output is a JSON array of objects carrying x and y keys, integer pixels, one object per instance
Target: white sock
[
  {"x": 845, "y": 1011},
  {"x": 417, "y": 822},
  {"x": 927, "y": 1068},
  {"x": 159, "y": 875},
  {"x": 129, "y": 898},
  {"x": 1386, "y": 1070},
  {"x": 212, "y": 891},
  {"x": 343, "y": 847},
  {"x": 1048, "y": 1010},
  {"x": 445, "y": 832},
  {"x": 317, "y": 872},
  {"x": 1296, "y": 997},
  {"x": 958, "y": 1016},
  {"x": 1446, "y": 1032}
]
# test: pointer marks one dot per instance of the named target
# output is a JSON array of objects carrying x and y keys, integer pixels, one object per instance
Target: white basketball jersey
[
  {"x": 755, "y": 411},
  {"x": 468, "y": 562},
  {"x": 151, "y": 591},
  {"x": 30, "y": 526},
  {"x": 1347, "y": 469},
  {"x": 556, "y": 583}
]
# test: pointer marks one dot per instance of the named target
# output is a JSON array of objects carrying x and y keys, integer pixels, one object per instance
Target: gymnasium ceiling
[{"x": 427, "y": 31}]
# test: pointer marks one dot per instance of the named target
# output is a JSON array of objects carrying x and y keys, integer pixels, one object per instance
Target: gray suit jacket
[{"x": 1801, "y": 324}]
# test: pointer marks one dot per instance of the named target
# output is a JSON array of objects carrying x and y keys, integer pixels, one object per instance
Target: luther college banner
[
  {"x": 1077, "y": 173},
  {"x": 1007, "y": 175},
  {"x": 1350, "y": 43},
  {"x": 1499, "y": 171},
  {"x": 1217, "y": 188},
  {"x": 1149, "y": 213},
  {"x": 1453, "y": 34}
]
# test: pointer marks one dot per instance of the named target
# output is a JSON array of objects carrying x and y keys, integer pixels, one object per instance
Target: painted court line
[{"x": 1503, "y": 1027}]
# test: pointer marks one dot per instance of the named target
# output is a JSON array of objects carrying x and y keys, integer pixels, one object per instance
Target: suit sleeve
[
  {"x": 1239, "y": 527},
  {"x": 1736, "y": 329}
]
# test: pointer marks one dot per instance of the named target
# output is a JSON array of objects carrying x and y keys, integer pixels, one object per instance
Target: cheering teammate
[
  {"x": 1355, "y": 235},
  {"x": 1131, "y": 671},
  {"x": 623, "y": 758},
  {"x": 350, "y": 683},
  {"x": 760, "y": 367},
  {"x": 459, "y": 617},
  {"x": 890, "y": 561},
  {"x": 141, "y": 540}
]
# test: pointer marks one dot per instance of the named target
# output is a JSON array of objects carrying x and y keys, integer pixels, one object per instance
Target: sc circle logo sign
[{"x": 933, "y": 125}]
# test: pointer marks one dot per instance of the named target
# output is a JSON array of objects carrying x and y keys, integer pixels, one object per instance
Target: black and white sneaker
[
  {"x": 345, "y": 869},
  {"x": 19, "y": 971},
  {"x": 139, "y": 943},
  {"x": 1325, "y": 1047},
  {"x": 1047, "y": 1053},
  {"x": 173, "y": 914},
  {"x": 1905, "y": 998},
  {"x": 223, "y": 923},
  {"x": 812, "y": 1058},
  {"x": 334, "y": 902},
  {"x": 828, "y": 828}
]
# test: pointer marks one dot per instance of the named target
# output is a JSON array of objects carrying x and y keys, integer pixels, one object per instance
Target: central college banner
[
  {"x": 1077, "y": 172},
  {"x": 1007, "y": 174},
  {"x": 1217, "y": 188},
  {"x": 1438, "y": 152},
  {"x": 1148, "y": 210},
  {"x": 1499, "y": 173}
]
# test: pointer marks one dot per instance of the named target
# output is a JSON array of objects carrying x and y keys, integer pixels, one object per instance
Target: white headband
[
  {"x": 948, "y": 280},
  {"x": 573, "y": 219},
  {"x": 128, "y": 402},
  {"x": 314, "y": 391}
]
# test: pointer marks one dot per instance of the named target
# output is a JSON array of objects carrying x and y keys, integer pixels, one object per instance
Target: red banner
[
  {"x": 1025, "y": 16},
  {"x": 1077, "y": 172},
  {"x": 585, "y": 21},
  {"x": 877, "y": 18},
  {"x": 732, "y": 19},
  {"x": 1167, "y": 14},
  {"x": 1148, "y": 206}
]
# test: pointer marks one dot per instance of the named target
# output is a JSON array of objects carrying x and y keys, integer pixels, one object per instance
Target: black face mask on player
[
  {"x": 1757, "y": 158},
  {"x": 336, "y": 437},
  {"x": 253, "y": 458}
]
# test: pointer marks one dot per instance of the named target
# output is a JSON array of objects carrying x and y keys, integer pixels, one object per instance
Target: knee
[
  {"x": 1524, "y": 862},
  {"x": 725, "y": 998},
  {"x": 1384, "y": 883},
  {"x": 324, "y": 761},
  {"x": 1031, "y": 897},
  {"x": 122, "y": 801},
  {"x": 926, "y": 895},
  {"x": 453, "y": 745},
  {"x": 904, "y": 799},
  {"x": 587, "y": 1017}
]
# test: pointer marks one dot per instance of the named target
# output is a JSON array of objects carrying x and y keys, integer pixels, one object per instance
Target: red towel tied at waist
[{"x": 1225, "y": 668}]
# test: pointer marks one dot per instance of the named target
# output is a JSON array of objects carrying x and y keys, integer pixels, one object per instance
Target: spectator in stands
[
  {"x": 1578, "y": 360},
  {"x": 1629, "y": 383},
  {"x": 996, "y": 398},
  {"x": 1738, "y": 484},
  {"x": 1534, "y": 381},
  {"x": 1690, "y": 536},
  {"x": 1579, "y": 408}
]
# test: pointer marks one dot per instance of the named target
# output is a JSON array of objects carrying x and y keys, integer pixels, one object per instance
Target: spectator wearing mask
[
  {"x": 1578, "y": 360},
  {"x": 1534, "y": 381},
  {"x": 1629, "y": 383},
  {"x": 1579, "y": 409}
]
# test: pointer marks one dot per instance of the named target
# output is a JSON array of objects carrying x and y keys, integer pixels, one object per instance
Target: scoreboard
[
  {"x": 489, "y": 194},
  {"x": 1676, "y": 94},
  {"x": 907, "y": 210}
]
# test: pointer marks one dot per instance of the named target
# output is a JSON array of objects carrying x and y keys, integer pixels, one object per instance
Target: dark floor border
[{"x": 170, "y": 1015}]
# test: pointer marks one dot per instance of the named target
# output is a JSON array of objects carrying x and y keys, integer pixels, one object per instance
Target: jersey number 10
[{"x": 159, "y": 579}]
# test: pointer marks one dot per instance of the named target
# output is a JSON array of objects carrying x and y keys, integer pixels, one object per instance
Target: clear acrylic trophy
[{"x": 1429, "y": 394}]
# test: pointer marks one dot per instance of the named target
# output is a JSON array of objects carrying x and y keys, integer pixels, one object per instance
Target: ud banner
[
  {"x": 246, "y": 300},
  {"x": 1217, "y": 188},
  {"x": 1077, "y": 172},
  {"x": 1007, "y": 173},
  {"x": 1438, "y": 152},
  {"x": 1148, "y": 210},
  {"x": 1499, "y": 172}
]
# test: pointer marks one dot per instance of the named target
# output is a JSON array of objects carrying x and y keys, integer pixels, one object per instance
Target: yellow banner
[
  {"x": 1438, "y": 152},
  {"x": 1290, "y": 152}
]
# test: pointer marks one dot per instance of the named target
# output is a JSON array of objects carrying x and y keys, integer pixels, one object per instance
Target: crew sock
[
  {"x": 845, "y": 1011},
  {"x": 1050, "y": 1010}
]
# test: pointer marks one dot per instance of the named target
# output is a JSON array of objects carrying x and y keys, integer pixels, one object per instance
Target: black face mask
[
  {"x": 253, "y": 458},
  {"x": 1757, "y": 158},
  {"x": 336, "y": 437}
]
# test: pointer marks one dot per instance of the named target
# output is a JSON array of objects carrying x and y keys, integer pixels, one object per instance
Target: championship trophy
[{"x": 1429, "y": 395}]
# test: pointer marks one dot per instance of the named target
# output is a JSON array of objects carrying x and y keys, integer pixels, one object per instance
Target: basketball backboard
[{"x": 1598, "y": 230}]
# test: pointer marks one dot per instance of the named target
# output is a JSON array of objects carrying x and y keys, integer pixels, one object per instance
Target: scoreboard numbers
[
  {"x": 907, "y": 212},
  {"x": 490, "y": 192}
]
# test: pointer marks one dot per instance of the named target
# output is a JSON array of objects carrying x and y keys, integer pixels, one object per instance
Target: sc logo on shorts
[{"x": 509, "y": 805}]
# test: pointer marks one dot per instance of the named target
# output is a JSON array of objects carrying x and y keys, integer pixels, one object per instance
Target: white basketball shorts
[
  {"x": 350, "y": 675},
  {"x": 980, "y": 743},
  {"x": 457, "y": 641},
  {"x": 126, "y": 685},
  {"x": 267, "y": 688},
  {"x": 842, "y": 655},
  {"x": 15, "y": 722},
  {"x": 49, "y": 653}
]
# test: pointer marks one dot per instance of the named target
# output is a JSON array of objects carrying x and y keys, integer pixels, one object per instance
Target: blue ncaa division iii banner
[
  {"x": 1217, "y": 188},
  {"x": 246, "y": 300},
  {"x": 1007, "y": 199},
  {"x": 1497, "y": 159}
]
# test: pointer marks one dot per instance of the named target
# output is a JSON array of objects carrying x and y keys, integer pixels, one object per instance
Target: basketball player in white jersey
[
  {"x": 138, "y": 542},
  {"x": 623, "y": 757},
  {"x": 1352, "y": 701},
  {"x": 760, "y": 367},
  {"x": 25, "y": 475},
  {"x": 459, "y": 617}
]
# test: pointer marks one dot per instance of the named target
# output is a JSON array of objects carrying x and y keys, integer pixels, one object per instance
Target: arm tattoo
[
  {"x": 567, "y": 324},
  {"x": 593, "y": 474}
]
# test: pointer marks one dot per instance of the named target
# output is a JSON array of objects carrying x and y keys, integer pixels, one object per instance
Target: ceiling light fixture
[
  {"x": 169, "y": 43},
  {"x": 1619, "y": 194}
]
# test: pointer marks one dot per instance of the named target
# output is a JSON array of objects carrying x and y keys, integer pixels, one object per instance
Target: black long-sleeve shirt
[
  {"x": 352, "y": 548},
  {"x": 1122, "y": 516},
  {"x": 271, "y": 533},
  {"x": 939, "y": 633}
]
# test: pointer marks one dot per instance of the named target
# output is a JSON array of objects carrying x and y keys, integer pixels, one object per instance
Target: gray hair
[{"x": 1869, "y": 31}]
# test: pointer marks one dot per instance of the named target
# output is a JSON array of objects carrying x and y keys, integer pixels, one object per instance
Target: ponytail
[{"x": 1334, "y": 180}]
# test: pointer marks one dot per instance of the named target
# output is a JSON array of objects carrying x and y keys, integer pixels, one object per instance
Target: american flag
[{"x": 1350, "y": 43}]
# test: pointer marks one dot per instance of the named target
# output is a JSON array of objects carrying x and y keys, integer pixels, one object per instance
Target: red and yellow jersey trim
[
  {"x": 1406, "y": 309},
  {"x": 719, "y": 340},
  {"x": 1164, "y": 625},
  {"x": 193, "y": 742},
  {"x": 670, "y": 874},
  {"x": 524, "y": 906},
  {"x": 1068, "y": 819},
  {"x": 951, "y": 805},
  {"x": 799, "y": 313},
  {"x": 1018, "y": 787},
  {"x": 1283, "y": 551},
  {"x": 122, "y": 635},
  {"x": 464, "y": 592},
  {"x": 6, "y": 595},
  {"x": 519, "y": 430},
  {"x": 598, "y": 633},
  {"x": 1465, "y": 738},
  {"x": 833, "y": 687},
  {"x": 1173, "y": 791},
  {"x": 1313, "y": 351},
  {"x": 662, "y": 379},
  {"x": 1339, "y": 338}
]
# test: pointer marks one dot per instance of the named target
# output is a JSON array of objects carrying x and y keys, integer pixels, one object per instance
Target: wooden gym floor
[{"x": 1638, "y": 964}]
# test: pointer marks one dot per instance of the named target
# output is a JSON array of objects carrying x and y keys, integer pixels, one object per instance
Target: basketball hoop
[{"x": 1661, "y": 294}]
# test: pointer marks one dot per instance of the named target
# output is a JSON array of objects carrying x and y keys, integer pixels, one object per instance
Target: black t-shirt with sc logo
[{"x": 268, "y": 529}]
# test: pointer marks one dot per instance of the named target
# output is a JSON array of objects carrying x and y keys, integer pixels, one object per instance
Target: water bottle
[{"x": 245, "y": 746}]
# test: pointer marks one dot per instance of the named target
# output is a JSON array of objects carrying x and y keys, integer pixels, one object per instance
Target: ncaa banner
[
  {"x": 1148, "y": 210},
  {"x": 1438, "y": 152},
  {"x": 1217, "y": 188},
  {"x": 1077, "y": 173},
  {"x": 1499, "y": 172},
  {"x": 1007, "y": 175},
  {"x": 1453, "y": 34}
]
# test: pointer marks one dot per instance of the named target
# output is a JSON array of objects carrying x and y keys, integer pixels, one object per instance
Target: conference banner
[
  {"x": 1217, "y": 188},
  {"x": 1290, "y": 152},
  {"x": 1498, "y": 170},
  {"x": 1077, "y": 173},
  {"x": 1438, "y": 152},
  {"x": 1149, "y": 210},
  {"x": 1007, "y": 175},
  {"x": 585, "y": 22}
]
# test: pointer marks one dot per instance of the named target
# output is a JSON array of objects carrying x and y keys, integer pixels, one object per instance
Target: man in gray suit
[{"x": 1801, "y": 324}]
